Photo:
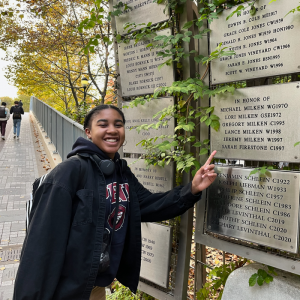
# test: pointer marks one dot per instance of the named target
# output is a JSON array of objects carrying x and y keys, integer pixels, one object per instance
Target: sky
[{"x": 6, "y": 89}]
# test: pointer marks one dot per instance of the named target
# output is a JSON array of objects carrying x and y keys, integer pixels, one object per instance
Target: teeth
[{"x": 111, "y": 140}]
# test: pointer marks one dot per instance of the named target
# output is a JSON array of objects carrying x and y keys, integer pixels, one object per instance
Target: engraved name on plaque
[
  {"x": 262, "y": 210},
  {"x": 265, "y": 44},
  {"x": 156, "y": 253},
  {"x": 139, "y": 67},
  {"x": 155, "y": 179},
  {"x": 143, "y": 114},
  {"x": 259, "y": 123},
  {"x": 139, "y": 12}
]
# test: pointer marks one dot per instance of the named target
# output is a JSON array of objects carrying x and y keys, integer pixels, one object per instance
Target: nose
[{"x": 111, "y": 129}]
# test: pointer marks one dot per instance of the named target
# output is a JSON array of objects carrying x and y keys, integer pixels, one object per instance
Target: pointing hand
[{"x": 205, "y": 176}]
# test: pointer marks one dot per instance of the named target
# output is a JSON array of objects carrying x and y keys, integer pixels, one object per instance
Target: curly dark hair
[{"x": 88, "y": 118}]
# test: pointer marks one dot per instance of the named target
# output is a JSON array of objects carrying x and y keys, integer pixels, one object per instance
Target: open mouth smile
[{"x": 111, "y": 140}]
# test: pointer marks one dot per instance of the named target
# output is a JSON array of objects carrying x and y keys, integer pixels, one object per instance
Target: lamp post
[{"x": 84, "y": 83}]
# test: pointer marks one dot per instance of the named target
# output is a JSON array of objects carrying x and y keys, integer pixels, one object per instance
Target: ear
[{"x": 88, "y": 133}]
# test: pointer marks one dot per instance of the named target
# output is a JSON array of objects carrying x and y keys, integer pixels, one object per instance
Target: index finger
[{"x": 210, "y": 158}]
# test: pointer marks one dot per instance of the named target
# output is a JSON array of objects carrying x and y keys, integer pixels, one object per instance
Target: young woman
[{"x": 64, "y": 253}]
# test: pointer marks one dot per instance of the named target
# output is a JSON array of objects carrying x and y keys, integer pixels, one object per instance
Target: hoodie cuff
[{"x": 188, "y": 197}]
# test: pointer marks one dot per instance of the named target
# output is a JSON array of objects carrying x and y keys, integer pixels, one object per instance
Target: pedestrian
[
  {"x": 76, "y": 243},
  {"x": 20, "y": 103},
  {"x": 4, "y": 117},
  {"x": 17, "y": 112}
]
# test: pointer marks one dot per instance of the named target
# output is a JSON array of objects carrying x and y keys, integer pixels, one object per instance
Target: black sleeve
[
  {"x": 22, "y": 110},
  {"x": 45, "y": 245},
  {"x": 163, "y": 206},
  {"x": 11, "y": 110}
]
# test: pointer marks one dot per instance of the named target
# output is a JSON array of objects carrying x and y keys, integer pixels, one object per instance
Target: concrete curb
[{"x": 54, "y": 159}]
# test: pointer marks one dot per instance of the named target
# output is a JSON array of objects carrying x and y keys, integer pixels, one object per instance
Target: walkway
[{"x": 18, "y": 169}]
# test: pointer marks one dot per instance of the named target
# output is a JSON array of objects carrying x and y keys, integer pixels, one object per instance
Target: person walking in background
[
  {"x": 17, "y": 111},
  {"x": 4, "y": 117},
  {"x": 20, "y": 103}
]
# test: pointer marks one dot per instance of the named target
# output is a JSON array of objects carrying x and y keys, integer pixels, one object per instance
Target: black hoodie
[{"x": 85, "y": 146}]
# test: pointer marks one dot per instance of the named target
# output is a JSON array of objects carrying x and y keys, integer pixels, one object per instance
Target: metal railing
[{"x": 61, "y": 130}]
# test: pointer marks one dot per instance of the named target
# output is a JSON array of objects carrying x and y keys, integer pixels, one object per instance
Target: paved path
[{"x": 18, "y": 169}]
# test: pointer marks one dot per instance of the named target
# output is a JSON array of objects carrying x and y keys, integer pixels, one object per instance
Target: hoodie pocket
[{"x": 83, "y": 214}]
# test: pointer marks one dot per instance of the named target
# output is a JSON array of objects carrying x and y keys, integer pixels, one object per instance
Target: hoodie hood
[{"x": 83, "y": 145}]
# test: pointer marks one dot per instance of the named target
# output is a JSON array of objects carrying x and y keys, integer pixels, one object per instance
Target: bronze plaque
[
  {"x": 156, "y": 253},
  {"x": 143, "y": 114},
  {"x": 154, "y": 178},
  {"x": 139, "y": 67},
  {"x": 258, "y": 123},
  {"x": 266, "y": 44},
  {"x": 261, "y": 210},
  {"x": 139, "y": 12}
]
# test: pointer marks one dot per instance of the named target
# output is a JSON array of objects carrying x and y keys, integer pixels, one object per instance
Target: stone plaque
[
  {"x": 258, "y": 123},
  {"x": 143, "y": 114},
  {"x": 266, "y": 44},
  {"x": 139, "y": 67},
  {"x": 156, "y": 253},
  {"x": 262, "y": 210},
  {"x": 141, "y": 11},
  {"x": 155, "y": 179}
]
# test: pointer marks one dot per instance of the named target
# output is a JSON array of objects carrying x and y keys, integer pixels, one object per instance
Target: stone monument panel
[
  {"x": 156, "y": 253},
  {"x": 258, "y": 123},
  {"x": 139, "y": 12},
  {"x": 265, "y": 44},
  {"x": 143, "y": 114},
  {"x": 154, "y": 178},
  {"x": 139, "y": 67},
  {"x": 261, "y": 210}
]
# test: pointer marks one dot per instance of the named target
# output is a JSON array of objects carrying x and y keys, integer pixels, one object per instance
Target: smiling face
[{"x": 107, "y": 131}]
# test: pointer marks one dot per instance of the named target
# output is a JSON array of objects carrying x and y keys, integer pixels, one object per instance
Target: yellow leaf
[{"x": 3, "y": 268}]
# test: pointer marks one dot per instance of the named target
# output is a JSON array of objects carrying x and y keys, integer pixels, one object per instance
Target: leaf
[
  {"x": 262, "y": 273},
  {"x": 215, "y": 124},
  {"x": 268, "y": 279},
  {"x": 203, "y": 119},
  {"x": 187, "y": 25},
  {"x": 198, "y": 144},
  {"x": 208, "y": 122},
  {"x": 186, "y": 39},
  {"x": 198, "y": 58},
  {"x": 252, "y": 279},
  {"x": 260, "y": 280},
  {"x": 203, "y": 151},
  {"x": 254, "y": 172},
  {"x": 296, "y": 144}
]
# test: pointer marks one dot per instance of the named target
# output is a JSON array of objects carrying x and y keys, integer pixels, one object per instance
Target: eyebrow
[{"x": 104, "y": 120}]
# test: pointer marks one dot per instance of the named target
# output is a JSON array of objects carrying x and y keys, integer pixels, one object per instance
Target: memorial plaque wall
[
  {"x": 258, "y": 123},
  {"x": 139, "y": 67},
  {"x": 155, "y": 179},
  {"x": 143, "y": 114},
  {"x": 262, "y": 210},
  {"x": 265, "y": 44},
  {"x": 156, "y": 253},
  {"x": 141, "y": 11}
]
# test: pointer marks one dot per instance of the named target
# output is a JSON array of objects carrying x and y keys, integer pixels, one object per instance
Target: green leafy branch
[
  {"x": 262, "y": 277},
  {"x": 263, "y": 171},
  {"x": 293, "y": 10},
  {"x": 217, "y": 278},
  {"x": 241, "y": 8}
]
